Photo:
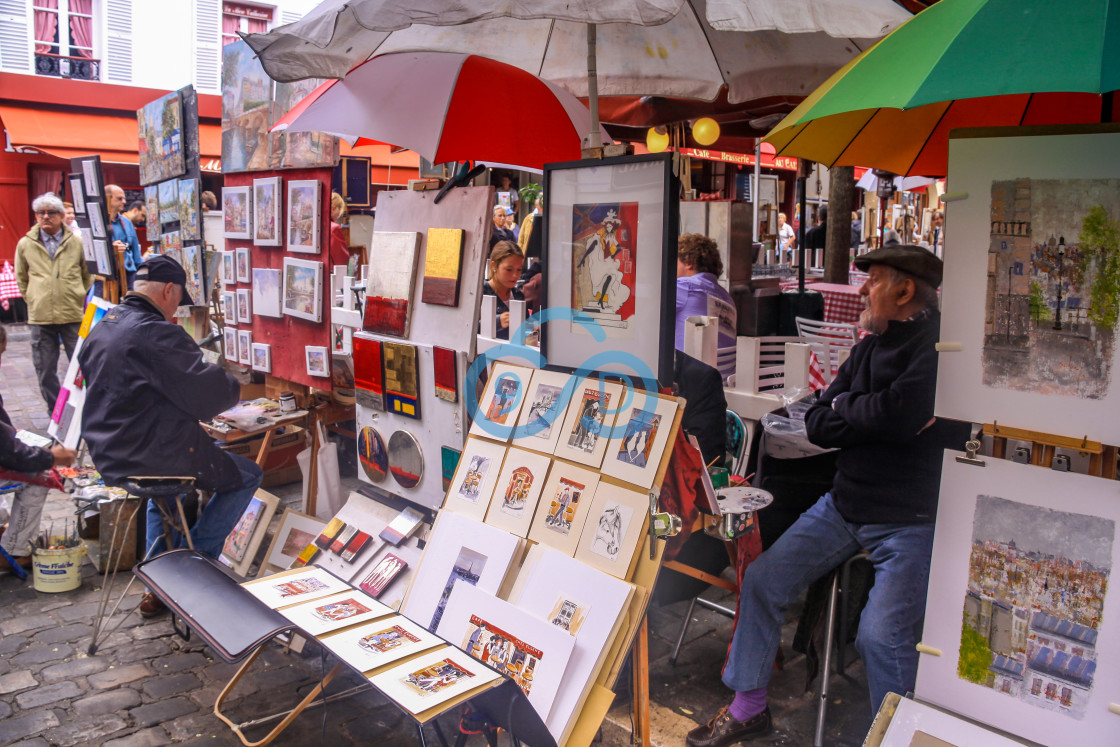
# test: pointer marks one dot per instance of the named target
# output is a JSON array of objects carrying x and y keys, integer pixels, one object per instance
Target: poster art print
[
  {"x": 562, "y": 510},
  {"x": 542, "y": 416},
  {"x": 604, "y": 244},
  {"x": 386, "y": 640},
  {"x": 593, "y": 410},
  {"x": 637, "y": 442},
  {"x": 1037, "y": 582},
  {"x": 505, "y": 397},
  {"x": 440, "y": 675},
  {"x": 495, "y": 647},
  {"x": 517, "y": 491},
  {"x": 299, "y": 587},
  {"x": 343, "y": 609},
  {"x": 468, "y": 568},
  {"x": 472, "y": 481}
]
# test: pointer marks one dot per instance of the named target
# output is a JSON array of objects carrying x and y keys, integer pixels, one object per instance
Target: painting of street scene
[
  {"x": 468, "y": 568},
  {"x": 291, "y": 150},
  {"x": 604, "y": 241},
  {"x": 246, "y": 110},
  {"x": 1037, "y": 582},
  {"x": 160, "y": 127},
  {"x": 1053, "y": 286},
  {"x": 505, "y": 652}
]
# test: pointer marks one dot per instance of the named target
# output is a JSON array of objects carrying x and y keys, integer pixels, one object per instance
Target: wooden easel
[{"x": 1102, "y": 458}]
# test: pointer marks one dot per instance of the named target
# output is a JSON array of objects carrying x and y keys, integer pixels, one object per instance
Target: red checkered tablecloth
[
  {"x": 842, "y": 303},
  {"x": 9, "y": 288}
]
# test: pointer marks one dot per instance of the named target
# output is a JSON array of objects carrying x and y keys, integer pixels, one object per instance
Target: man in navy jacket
[{"x": 879, "y": 413}]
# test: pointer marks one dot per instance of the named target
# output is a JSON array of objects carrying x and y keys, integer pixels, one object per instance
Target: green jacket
[{"x": 55, "y": 289}]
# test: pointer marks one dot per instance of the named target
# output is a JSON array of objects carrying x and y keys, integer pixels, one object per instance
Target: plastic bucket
[{"x": 57, "y": 570}]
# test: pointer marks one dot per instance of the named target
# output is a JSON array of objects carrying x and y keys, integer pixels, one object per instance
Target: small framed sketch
[
  {"x": 318, "y": 361},
  {"x": 91, "y": 175},
  {"x": 229, "y": 306},
  {"x": 588, "y": 422},
  {"x": 243, "y": 264},
  {"x": 501, "y": 401},
  {"x": 243, "y": 542},
  {"x": 236, "y": 212},
  {"x": 244, "y": 346},
  {"x": 229, "y": 267},
  {"x": 518, "y": 490},
  {"x": 303, "y": 288},
  {"x": 475, "y": 478},
  {"x": 637, "y": 444},
  {"x": 244, "y": 305},
  {"x": 303, "y": 216},
  {"x": 229, "y": 344},
  {"x": 267, "y": 198},
  {"x": 101, "y": 251},
  {"x": 296, "y": 531},
  {"x": 262, "y": 357},
  {"x": 266, "y": 292},
  {"x": 564, "y": 507},
  {"x": 76, "y": 194},
  {"x": 96, "y": 221},
  {"x": 614, "y": 526}
]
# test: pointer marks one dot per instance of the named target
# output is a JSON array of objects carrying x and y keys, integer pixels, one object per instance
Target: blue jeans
[
  {"x": 217, "y": 518},
  {"x": 819, "y": 541}
]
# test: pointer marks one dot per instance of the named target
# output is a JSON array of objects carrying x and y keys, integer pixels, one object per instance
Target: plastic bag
[
  {"x": 786, "y": 437},
  {"x": 328, "y": 495}
]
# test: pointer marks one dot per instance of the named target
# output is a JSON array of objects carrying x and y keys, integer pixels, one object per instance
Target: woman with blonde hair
[{"x": 339, "y": 253}]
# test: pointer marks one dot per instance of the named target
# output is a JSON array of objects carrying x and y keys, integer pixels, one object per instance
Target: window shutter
[
  {"x": 290, "y": 16},
  {"x": 15, "y": 37},
  {"x": 208, "y": 45},
  {"x": 118, "y": 42}
]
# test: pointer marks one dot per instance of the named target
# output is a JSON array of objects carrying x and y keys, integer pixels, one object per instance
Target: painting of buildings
[
  {"x": 1037, "y": 583},
  {"x": 1052, "y": 279}
]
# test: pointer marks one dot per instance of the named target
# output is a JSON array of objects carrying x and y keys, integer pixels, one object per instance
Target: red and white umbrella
[{"x": 449, "y": 107}]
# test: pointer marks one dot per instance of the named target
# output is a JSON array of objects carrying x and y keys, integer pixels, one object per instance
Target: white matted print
[
  {"x": 244, "y": 346},
  {"x": 530, "y": 651},
  {"x": 229, "y": 344},
  {"x": 296, "y": 531},
  {"x": 303, "y": 288},
  {"x": 262, "y": 357},
  {"x": 588, "y": 421},
  {"x": 303, "y": 216},
  {"x": 1028, "y": 357},
  {"x": 542, "y": 416},
  {"x": 267, "y": 200},
  {"x": 284, "y": 589},
  {"x": 638, "y": 441},
  {"x": 229, "y": 306},
  {"x": 518, "y": 491},
  {"x": 229, "y": 267},
  {"x": 244, "y": 264},
  {"x": 244, "y": 305},
  {"x": 318, "y": 361},
  {"x": 1020, "y": 603},
  {"x": 336, "y": 611},
  {"x": 237, "y": 212},
  {"x": 501, "y": 401},
  {"x": 433, "y": 678},
  {"x": 614, "y": 529},
  {"x": 266, "y": 292},
  {"x": 564, "y": 506},
  {"x": 475, "y": 477},
  {"x": 378, "y": 643},
  {"x": 918, "y": 725}
]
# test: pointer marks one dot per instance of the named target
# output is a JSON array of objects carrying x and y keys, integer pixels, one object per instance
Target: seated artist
[
  {"x": 506, "y": 262},
  {"x": 28, "y": 500},
  {"x": 879, "y": 413},
  {"x": 147, "y": 388}
]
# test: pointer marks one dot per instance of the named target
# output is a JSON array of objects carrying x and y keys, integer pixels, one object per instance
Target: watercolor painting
[
  {"x": 236, "y": 208},
  {"x": 565, "y": 502},
  {"x": 190, "y": 226},
  {"x": 468, "y": 568},
  {"x": 303, "y": 216}
]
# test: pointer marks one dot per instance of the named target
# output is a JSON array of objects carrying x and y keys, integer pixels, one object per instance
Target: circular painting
[
  {"x": 372, "y": 454},
  {"x": 405, "y": 460}
]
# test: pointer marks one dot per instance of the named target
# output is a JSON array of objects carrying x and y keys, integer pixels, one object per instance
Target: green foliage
[
  {"x": 975, "y": 656},
  {"x": 529, "y": 193},
  {"x": 1040, "y": 312},
  {"x": 1100, "y": 238}
]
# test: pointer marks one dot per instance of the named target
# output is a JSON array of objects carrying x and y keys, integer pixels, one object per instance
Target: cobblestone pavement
[{"x": 146, "y": 686}]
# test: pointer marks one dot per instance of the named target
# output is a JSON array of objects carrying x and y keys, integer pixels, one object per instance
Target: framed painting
[
  {"x": 303, "y": 289},
  {"x": 237, "y": 203},
  {"x": 501, "y": 401},
  {"x": 244, "y": 305},
  {"x": 296, "y": 531},
  {"x": 303, "y": 215},
  {"x": 266, "y": 292},
  {"x": 91, "y": 177},
  {"x": 96, "y": 220},
  {"x": 244, "y": 347},
  {"x": 229, "y": 267},
  {"x": 475, "y": 478},
  {"x": 389, "y": 285},
  {"x": 229, "y": 306},
  {"x": 542, "y": 416},
  {"x": 151, "y": 205},
  {"x": 241, "y": 545},
  {"x": 267, "y": 201},
  {"x": 638, "y": 440},
  {"x": 610, "y": 266},
  {"x": 262, "y": 357},
  {"x": 104, "y": 260},
  {"x": 614, "y": 528},
  {"x": 190, "y": 224},
  {"x": 563, "y": 507},
  {"x": 517, "y": 491},
  {"x": 196, "y": 276},
  {"x": 318, "y": 361},
  {"x": 342, "y": 339},
  {"x": 77, "y": 196},
  {"x": 168, "y": 203},
  {"x": 587, "y": 425},
  {"x": 243, "y": 264},
  {"x": 229, "y": 344},
  {"x": 1021, "y": 601},
  {"x": 160, "y": 129},
  {"x": 246, "y": 110}
]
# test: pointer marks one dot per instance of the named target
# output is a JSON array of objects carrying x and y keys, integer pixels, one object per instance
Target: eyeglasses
[{"x": 47, "y": 212}]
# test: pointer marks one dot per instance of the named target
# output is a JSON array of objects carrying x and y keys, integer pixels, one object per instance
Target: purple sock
[{"x": 748, "y": 704}]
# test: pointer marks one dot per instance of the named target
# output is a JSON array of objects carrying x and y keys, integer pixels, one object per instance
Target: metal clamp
[{"x": 970, "y": 449}]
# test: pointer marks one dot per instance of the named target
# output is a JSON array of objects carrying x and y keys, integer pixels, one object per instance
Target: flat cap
[{"x": 918, "y": 261}]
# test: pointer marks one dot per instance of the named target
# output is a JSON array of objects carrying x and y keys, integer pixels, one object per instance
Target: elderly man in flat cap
[{"x": 879, "y": 413}]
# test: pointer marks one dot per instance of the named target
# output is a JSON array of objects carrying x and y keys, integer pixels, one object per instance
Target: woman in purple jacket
[{"x": 698, "y": 269}]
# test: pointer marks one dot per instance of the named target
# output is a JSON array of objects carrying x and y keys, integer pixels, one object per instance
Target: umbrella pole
[
  {"x": 757, "y": 186},
  {"x": 594, "y": 140},
  {"x": 801, "y": 178}
]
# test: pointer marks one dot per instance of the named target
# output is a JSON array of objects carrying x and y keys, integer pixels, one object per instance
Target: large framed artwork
[
  {"x": 303, "y": 288},
  {"x": 160, "y": 126},
  {"x": 1030, "y": 291},
  {"x": 1021, "y": 602},
  {"x": 303, "y": 216},
  {"x": 610, "y": 265}
]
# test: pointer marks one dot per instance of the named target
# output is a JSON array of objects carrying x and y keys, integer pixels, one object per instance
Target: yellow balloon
[
  {"x": 656, "y": 141},
  {"x": 705, "y": 131}
]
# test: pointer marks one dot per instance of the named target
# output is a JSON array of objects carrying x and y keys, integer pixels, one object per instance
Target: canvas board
[
  {"x": 501, "y": 401},
  {"x": 335, "y": 612},
  {"x": 533, "y": 653},
  {"x": 1001, "y": 278},
  {"x": 376, "y": 644},
  {"x": 1022, "y": 603},
  {"x": 433, "y": 678},
  {"x": 614, "y": 530},
  {"x": 193, "y": 255},
  {"x": 303, "y": 288},
  {"x": 237, "y": 210},
  {"x": 564, "y": 506},
  {"x": 160, "y": 129},
  {"x": 587, "y": 604},
  {"x": 244, "y": 306},
  {"x": 518, "y": 490},
  {"x": 262, "y": 357},
  {"x": 268, "y": 199},
  {"x": 296, "y": 531},
  {"x": 542, "y": 416},
  {"x": 460, "y": 550},
  {"x": 638, "y": 441},
  {"x": 283, "y": 590},
  {"x": 266, "y": 292},
  {"x": 912, "y": 721},
  {"x": 243, "y": 264},
  {"x": 303, "y": 215},
  {"x": 475, "y": 478},
  {"x": 589, "y": 419},
  {"x": 390, "y": 283}
]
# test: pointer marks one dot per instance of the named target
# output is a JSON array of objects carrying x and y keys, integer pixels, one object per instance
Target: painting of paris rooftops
[
  {"x": 1053, "y": 286},
  {"x": 1037, "y": 581}
]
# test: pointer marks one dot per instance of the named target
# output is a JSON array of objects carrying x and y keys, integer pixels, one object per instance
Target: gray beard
[{"x": 871, "y": 323}]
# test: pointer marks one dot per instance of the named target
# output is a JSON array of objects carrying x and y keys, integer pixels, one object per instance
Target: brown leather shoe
[
  {"x": 150, "y": 605},
  {"x": 724, "y": 730}
]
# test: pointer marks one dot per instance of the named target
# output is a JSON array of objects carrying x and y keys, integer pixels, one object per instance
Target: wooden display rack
[{"x": 1102, "y": 458}]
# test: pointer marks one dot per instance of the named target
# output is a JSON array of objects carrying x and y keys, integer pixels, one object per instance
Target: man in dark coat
[{"x": 147, "y": 388}]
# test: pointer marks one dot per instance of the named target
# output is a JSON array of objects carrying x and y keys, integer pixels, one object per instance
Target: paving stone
[
  {"x": 9, "y": 644},
  {"x": 26, "y": 725},
  {"x": 109, "y": 701},
  {"x": 77, "y": 612},
  {"x": 178, "y": 662},
  {"x": 36, "y": 742},
  {"x": 153, "y": 737},
  {"x": 213, "y": 740},
  {"x": 41, "y": 654},
  {"x": 193, "y": 726},
  {"x": 161, "y": 686},
  {"x": 47, "y": 694},
  {"x": 5, "y": 710},
  {"x": 87, "y": 731},
  {"x": 15, "y": 681},
  {"x": 115, "y": 676},
  {"x": 63, "y": 634},
  {"x": 5, "y": 667},
  {"x": 153, "y": 630},
  {"x": 165, "y": 710},
  {"x": 142, "y": 651},
  {"x": 79, "y": 667}
]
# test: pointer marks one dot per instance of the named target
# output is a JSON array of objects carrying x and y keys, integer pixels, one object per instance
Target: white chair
[{"x": 829, "y": 340}]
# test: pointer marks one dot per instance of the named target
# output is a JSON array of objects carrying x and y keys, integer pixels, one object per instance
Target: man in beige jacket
[{"x": 52, "y": 276}]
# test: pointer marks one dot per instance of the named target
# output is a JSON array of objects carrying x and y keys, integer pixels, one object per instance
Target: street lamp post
[{"x": 1061, "y": 256}]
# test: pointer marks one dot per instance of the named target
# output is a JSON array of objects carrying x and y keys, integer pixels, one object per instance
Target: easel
[{"x": 1102, "y": 459}]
